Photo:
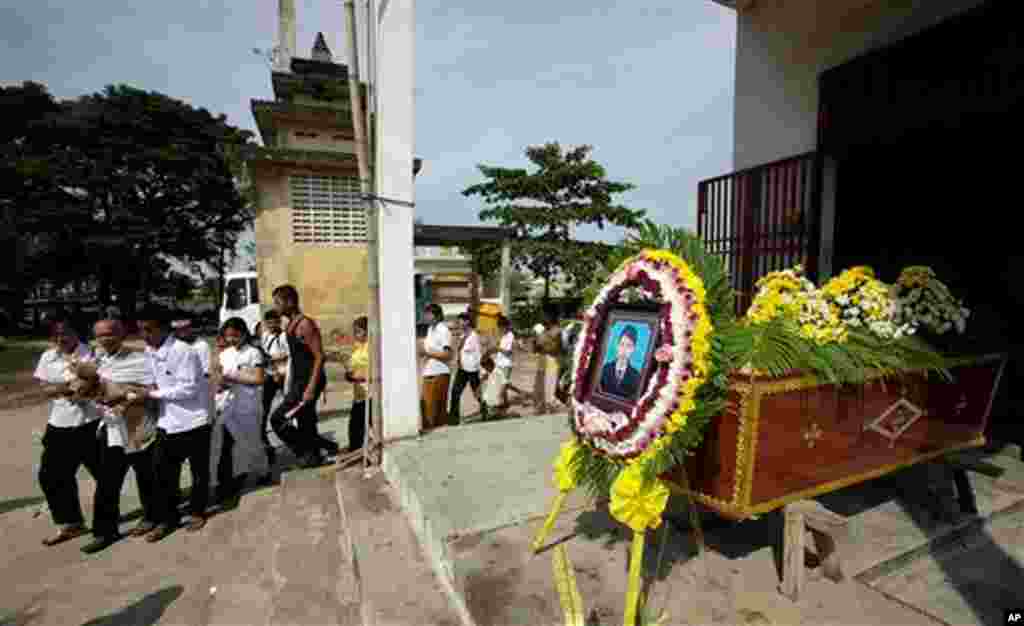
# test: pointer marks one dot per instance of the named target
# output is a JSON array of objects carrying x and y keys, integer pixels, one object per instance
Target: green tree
[
  {"x": 566, "y": 189},
  {"x": 23, "y": 106},
  {"x": 127, "y": 176}
]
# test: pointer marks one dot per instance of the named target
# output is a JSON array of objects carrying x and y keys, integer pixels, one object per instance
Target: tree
[
  {"x": 126, "y": 176},
  {"x": 22, "y": 107},
  {"x": 566, "y": 189}
]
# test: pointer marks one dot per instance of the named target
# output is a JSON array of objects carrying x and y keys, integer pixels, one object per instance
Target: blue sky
[{"x": 648, "y": 84}]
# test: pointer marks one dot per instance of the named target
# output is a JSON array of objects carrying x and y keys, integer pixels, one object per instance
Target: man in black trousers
[
  {"x": 183, "y": 425},
  {"x": 70, "y": 438},
  {"x": 124, "y": 442}
]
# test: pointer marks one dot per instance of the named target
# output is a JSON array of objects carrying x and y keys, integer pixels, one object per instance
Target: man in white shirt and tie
[{"x": 183, "y": 425}]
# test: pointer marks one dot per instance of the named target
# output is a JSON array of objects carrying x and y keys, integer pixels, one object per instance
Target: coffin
[{"x": 786, "y": 439}]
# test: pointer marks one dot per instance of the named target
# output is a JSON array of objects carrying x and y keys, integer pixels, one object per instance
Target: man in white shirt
[
  {"x": 70, "y": 438},
  {"x": 183, "y": 425},
  {"x": 436, "y": 351},
  {"x": 469, "y": 355},
  {"x": 128, "y": 444}
]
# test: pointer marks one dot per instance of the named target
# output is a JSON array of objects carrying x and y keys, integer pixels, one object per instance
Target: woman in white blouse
[
  {"x": 240, "y": 404},
  {"x": 70, "y": 438}
]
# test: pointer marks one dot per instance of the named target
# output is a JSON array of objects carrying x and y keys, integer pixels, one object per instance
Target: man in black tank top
[{"x": 307, "y": 382}]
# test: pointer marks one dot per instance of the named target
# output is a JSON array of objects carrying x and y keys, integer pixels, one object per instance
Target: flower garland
[
  {"x": 923, "y": 300},
  {"x": 863, "y": 301},
  {"x": 788, "y": 293},
  {"x": 683, "y": 360}
]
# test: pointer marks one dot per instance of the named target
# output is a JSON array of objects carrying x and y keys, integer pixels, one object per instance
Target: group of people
[
  {"x": 487, "y": 373},
  {"x": 186, "y": 402}
]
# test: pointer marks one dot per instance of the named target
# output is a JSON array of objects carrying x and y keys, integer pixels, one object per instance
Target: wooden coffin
[{"x": 787, "y": 439}]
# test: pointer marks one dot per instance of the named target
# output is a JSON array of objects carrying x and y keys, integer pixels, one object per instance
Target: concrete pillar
[
  {"x": 285, "y": 34},
  {"x": 506, "y": 278},
  {"x": 393, "y": 154}
]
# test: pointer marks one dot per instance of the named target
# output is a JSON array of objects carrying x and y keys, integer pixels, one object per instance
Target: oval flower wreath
[
  {"x": 636, "y": 442},
  {"x": 682, "y": 359}
]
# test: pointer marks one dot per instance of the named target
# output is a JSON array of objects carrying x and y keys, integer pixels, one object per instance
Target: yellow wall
[{"x": 332, "y": 280}]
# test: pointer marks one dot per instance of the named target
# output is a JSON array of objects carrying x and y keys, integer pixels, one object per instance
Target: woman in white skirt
[{"x": 239, "y": 405}]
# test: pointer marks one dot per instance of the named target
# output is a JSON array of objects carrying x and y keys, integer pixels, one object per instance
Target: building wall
[
  {"x": 319, "y": 139},
  {"x": 332, "y": 280},
  {"x": 782, "y": 46}
]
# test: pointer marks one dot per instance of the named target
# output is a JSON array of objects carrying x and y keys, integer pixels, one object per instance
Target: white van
[{"x": 242, "y": 299}]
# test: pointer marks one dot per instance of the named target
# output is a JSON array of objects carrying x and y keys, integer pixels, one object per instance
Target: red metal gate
[{"x": 760, "y": 220}]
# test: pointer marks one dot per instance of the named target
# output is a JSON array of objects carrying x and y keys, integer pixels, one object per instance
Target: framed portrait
[{"x": 623, "y": 363}]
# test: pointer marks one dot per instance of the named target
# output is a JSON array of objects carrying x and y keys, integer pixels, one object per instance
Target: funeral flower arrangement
[
  {"x": 682, "y": 360},
  {"x": 864, "y": 301},
  {"x": 922, "y": 300},
  {"x": 838, "y": 333},
  {"x": 788, "y": 293}
]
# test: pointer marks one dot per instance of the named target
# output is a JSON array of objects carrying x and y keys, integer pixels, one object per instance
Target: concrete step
[
  {"x": 398, "y": 584},
  {"x": 310, "y": 567}
]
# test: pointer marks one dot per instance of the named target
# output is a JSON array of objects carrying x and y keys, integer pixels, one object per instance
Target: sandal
[
  {"x": 143, "y": 528},
  {"x": 159, "y": 533},
  {"x": 194, "y": 523},
  {"x": 65, "y": 534}
]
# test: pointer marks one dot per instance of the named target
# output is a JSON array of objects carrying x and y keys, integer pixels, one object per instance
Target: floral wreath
[
  {"x": 637, "y": 447},
  {"x": 683, "y": 360}
]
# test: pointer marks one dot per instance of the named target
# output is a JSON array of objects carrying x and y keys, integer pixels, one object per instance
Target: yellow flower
[
  {"x": 636, "y": 503},
  {"x": 565, "y": 478}
]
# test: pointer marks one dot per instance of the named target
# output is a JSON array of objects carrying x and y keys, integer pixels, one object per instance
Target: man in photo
[{"x": 619, "y": 377}]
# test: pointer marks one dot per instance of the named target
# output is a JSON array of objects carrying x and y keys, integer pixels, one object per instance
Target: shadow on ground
[
  {"x": 14, "y": 504},
  {"x": 143, "y": 612}
]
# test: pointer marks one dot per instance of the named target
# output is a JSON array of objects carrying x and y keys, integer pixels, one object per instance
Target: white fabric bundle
[
  {"x": 130, "y": 369},
  {"x": 127, "y": 369}
]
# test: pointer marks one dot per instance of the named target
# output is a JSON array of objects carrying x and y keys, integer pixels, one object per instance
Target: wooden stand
[{"x": 824, "y": 526}]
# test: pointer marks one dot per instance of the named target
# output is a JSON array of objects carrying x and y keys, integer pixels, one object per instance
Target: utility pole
[{"x": 373, "y": 448}]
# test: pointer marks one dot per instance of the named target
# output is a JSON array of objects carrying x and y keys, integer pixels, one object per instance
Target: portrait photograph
[{"x": 627, "y": 348}]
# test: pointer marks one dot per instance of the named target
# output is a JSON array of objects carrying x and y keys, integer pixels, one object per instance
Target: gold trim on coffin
[
  {"x": 749, "y": 422},
  {"x": 835, "y": 485}
]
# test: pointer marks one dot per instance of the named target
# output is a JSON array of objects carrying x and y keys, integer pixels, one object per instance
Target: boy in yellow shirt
[{"x": 357, "y": 374}]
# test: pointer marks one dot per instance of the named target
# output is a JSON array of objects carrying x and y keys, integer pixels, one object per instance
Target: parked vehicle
[{"x": 242, "y": 299}]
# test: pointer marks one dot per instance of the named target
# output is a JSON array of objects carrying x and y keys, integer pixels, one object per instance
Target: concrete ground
[
  {"x": 283, "y": 557},
  {"x": 480, "y": 544},
  {"x": 445, "y": 540}
]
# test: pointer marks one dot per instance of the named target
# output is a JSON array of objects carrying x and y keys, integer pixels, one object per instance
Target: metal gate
[{"x": 761, "y": 220}]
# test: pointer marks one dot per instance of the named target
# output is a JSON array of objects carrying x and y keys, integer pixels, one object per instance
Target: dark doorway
[{"x": 926, "y": 177}]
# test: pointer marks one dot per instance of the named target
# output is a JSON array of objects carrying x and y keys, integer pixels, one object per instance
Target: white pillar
[
  {"x": 506, "y": 278},
  {"x": 393, "y": 153}
]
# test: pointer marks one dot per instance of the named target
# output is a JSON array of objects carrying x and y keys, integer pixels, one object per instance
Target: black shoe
[
  {"x": 227, "y": 503},
  {"x": 313, "y": 459},
  {"x": 99, "y": 544},
  {"x": 271, "y": 456}
]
